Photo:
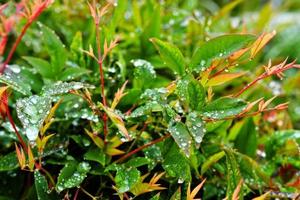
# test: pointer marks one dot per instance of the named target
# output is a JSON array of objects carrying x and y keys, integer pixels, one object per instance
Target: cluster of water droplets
[
  {"x": 69, "y": 178},
  {"x": 84, "y": 113},
  {"x": 32, "y": 112},
  {"x": 181, "y": 137},
  {"x": 143, "y": 65},
  {"x": 64, "y": 87},
  {"x": 196, "y": 127}
]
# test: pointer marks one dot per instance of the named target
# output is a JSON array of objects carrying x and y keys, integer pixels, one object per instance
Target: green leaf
[
  {"x": 126, "y": 178},
  {"x": 146, "y": 109},
  {"x": 196, "y": 95},
  {"x": 72, "y": 175},
  {"x": 55, "y": 49},
  {"x": 137, "y": 162},
  {"x": 181, "y": 136},
  {"x": 12, "y": 78},
  {"x": 63, "y": 88},
  {"x": 175, "y": 164},
  {"x": 196, "y": 127},
  {"x": 72, "y": 73},
  {"x": 151, "y": 26},
  {"x": 224, "y": 107},
  {"x": 41, "y": 186},
  {"x": 246, "y": 141},
  {"x": 219, "y": 47},
  {"x": 97, "y": 155},
  {"x": 41, "y": 66},
  {"x": 233, "y": 173},
  {"x": 250, "y": 170},
  {"x": 278, "y": 140},
  {"x": 171, "y": 55},
  {"x": 32, "y": 112},
  {"x": 144, "y": 73},
  {"x": 191, "y": 91},
  {"x": 76, "y": 49},
  {"x": 211, "y": 161},
  {"x": 8, "y": 162}
]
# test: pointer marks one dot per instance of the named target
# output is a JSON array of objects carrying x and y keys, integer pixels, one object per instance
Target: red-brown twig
[
  {"x": 97, "y": 17},
  {"x": 142, "y": 147},
  {"x": 36, "y": 13},
  {"x": 270, "y": 70}
]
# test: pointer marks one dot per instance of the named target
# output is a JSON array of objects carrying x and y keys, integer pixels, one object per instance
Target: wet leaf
[
  {"x": 176, "y": 164},
  {"x": 223, "y": 78},
  {"x": 41, "y": 186},
  {"x": 181, "y": 136},
  {"x": 32, "y": 112},
  {"x": 196, "y": 127},
  {"x": 8, "y": 162},
  {"x": 126, "y": 178},
  {"x": 117, "y": 121},
  {"x": 15, "y": 81},
  {"x": 171, "y": 55},
  {"x": 144, "y": 73},
  {"x": 233, "y": 173},
  {"x": 63, "y": 88},
  {"x": 191, "y": 91},
  {"x": 224, "y": 107},
  {"x": 219, "y": 47},
  {"x": 71, "y": 175}
]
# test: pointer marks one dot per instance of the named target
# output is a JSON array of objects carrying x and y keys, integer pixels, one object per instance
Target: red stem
[
  {"x": 142, "y": 147},
  {"x": 11, "y": 121},
  {"x": 100, "y": 63},
  {"x": 15, "y": 45},
  {"x": 76, "y": 194},
  {"x": 250, "y": 85}
]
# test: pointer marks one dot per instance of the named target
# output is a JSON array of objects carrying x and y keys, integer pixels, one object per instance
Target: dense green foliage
[{"x": 160, "y": 100}]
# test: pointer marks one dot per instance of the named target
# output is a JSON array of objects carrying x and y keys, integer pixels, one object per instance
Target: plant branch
[{"x": 142, "y": 147}]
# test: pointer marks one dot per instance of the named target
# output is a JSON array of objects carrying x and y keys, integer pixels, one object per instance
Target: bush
[{"x": 144, "y": 100}]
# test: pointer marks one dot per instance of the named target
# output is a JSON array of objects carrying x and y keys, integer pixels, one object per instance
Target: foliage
[{"x": 148, "y": 100}]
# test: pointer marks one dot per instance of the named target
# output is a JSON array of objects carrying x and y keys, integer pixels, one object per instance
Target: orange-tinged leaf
[
  {"x": 116, "y": 120},
  {"x": 236, "y": 55},
  {"x": 20, "y": 156},
  {"x": 237, "y": 190},
  {"x": 268, "y": 102},
  {"x": 252, "y": 104},
  {"x": 261, "y": 42},
  {"x": 156, "y": 177},
  {"x": 3, "y": 89},
  {"x": 96, "y": 139},
  {"x": 52, "y": 111},
  {"x": 142, "y": 188},
  {"x": 197, "y": 189},
  {"x": 223, "y": 78},
  {"x": 119, "y": 95},
  {"x": 30, "y": 158},
  {"x": 44, "y": 141},
  {"x": 115, "y": 142},
  {"x": 262, "y": 197},
  {"x": 113, "y": 151}
]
